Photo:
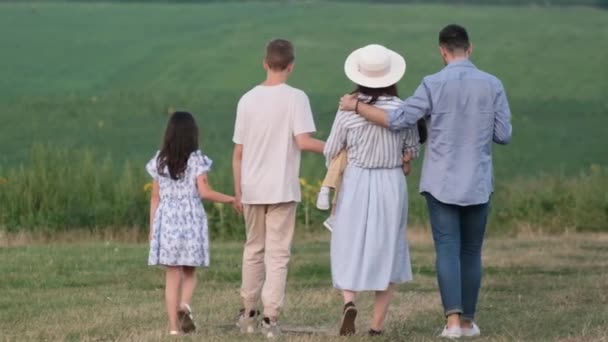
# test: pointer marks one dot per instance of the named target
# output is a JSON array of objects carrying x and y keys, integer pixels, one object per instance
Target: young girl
[{"x": 178, "y": 224}]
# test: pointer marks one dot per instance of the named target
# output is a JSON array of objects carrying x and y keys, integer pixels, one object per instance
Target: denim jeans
[{"x": 458, "y": 233}]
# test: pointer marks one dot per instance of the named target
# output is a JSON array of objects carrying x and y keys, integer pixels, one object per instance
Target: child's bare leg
[
  {"x": 188, "y": 285},
  {"x": 332, "y": 179},
  {"x": 172, "y": 282}
]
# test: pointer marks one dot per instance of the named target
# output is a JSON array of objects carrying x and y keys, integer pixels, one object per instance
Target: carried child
[
  {"x": 179, "y": 237},
  {"x": 336, "y": 167}
]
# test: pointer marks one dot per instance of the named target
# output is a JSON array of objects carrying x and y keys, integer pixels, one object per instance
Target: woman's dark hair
[
  {"x": 375, "y": 93},
  {"x": 181, "y": 139},
  {"x": 422, "y": 132}
]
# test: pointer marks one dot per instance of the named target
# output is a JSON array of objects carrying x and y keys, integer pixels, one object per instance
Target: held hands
[
  {"x": 237, "y": 205},
  {"x": 348, "y": 102}
]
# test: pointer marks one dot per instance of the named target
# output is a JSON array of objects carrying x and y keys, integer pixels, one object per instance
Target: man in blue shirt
[{"x": 466, "y": 110}]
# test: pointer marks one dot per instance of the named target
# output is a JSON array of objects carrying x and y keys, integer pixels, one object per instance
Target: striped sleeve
[{"x": 411, "y": 142}]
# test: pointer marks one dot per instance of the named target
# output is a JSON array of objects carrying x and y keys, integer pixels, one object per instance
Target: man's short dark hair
[
  {"x": 279, "y": 54},
  {"x": 454, "y": 37}
]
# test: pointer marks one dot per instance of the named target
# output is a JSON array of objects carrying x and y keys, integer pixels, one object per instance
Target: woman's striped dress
[{"x": 369, "y": 247}]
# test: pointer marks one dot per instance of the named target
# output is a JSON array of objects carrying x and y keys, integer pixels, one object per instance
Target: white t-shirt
[{"x": 268, "y": 119}]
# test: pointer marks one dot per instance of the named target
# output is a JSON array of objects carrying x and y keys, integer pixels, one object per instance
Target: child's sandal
[{"x": 186, "y": 320}]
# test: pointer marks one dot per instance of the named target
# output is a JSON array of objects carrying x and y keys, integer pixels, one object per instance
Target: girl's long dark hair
[
  {"x": 181, "y": 139},
  {"x": 375, "y": 93}
]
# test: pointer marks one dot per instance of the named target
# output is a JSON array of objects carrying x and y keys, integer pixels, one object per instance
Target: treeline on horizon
[{"x": 592, "y": 3}]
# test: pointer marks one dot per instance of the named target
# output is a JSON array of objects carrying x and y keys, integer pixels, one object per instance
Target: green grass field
[
  {"x": 86, "y": 89},
  {"x": 104, "y": 76},
  {"x": 534, "y": 289}
]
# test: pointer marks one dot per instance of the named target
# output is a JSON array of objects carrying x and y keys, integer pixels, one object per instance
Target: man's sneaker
[
  {"x": 453, "y": 332},
  {"x": 248, "y": 322},
  {"x": 270, "y": 329},
  {"x": 323, "y": 199},
  {"x": 473, "y": 331},
  {"x": 186, "y": 320},
  {"x": 347, "y": 327}
]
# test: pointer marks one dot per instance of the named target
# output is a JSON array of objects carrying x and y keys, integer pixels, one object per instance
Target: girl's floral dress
[{"x": 180, "y": 234}]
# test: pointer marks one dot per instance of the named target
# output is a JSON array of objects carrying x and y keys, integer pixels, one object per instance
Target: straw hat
[{"x": 374, "y": 66}]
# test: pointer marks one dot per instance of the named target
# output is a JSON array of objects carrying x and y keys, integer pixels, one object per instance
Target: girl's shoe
[
  {"x": 453, "y": 332},
  {"x": 186, "y": 320},
  {"x": 373, "y": 332},
  {"x": 473, "y": 331},
  {"x": 323, "y": 199},
  {"x": 347, "y": 327},
  {"x": 173, "y": 333}
]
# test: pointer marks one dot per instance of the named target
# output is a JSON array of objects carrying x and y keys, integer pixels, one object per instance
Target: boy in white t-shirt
[{"x": 273, "y": 124}]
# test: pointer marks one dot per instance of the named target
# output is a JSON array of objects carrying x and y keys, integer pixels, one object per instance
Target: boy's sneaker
[
  {"x": 329, "y": 223},
  {"x": 323, "y": 199},
  {"x": 248, "y": 322},
  {"x": 473, "y": 331},
  {"x": 270, "y": 329},
  {"x": 186, "y": 320}
]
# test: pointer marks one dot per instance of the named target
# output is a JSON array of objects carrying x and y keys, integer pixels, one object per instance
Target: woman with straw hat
[{"x": 369, "y": 249}]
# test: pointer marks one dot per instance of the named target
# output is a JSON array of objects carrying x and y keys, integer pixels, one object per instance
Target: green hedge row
[{"x": 62, "y": 189}]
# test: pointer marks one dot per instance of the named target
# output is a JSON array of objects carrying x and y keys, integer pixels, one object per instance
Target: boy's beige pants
[
  {"x": 270, "y": 230},
  {"x": 333, "y": 178}
]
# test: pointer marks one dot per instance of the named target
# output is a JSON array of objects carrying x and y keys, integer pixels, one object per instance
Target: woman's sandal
[{"x": 347, "y": 327}]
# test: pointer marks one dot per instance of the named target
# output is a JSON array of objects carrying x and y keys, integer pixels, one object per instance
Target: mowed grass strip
[{"x": 535, "y": 289}]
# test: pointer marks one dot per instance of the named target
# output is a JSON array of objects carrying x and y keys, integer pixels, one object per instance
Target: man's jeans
[{"x": 458, "y": 233}]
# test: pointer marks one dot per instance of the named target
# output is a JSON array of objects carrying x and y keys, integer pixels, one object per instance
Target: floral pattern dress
[{"x": 180, "y": 235}]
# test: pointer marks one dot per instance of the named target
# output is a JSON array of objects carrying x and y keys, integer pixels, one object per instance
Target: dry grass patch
[{"x": 535, "y": 288}]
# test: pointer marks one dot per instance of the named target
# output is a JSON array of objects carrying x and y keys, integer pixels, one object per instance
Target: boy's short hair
[
  {"x": 454, "y": 37},
  {"x": 279, "y": 54}
]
